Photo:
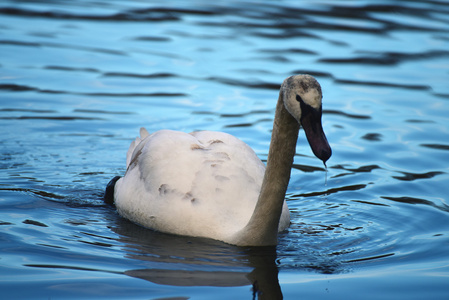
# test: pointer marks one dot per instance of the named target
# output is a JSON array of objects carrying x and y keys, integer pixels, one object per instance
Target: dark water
[{"x": 78, "y": 79}]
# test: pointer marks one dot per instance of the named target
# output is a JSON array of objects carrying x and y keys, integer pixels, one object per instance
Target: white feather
[{"x": 200, "y": 184}]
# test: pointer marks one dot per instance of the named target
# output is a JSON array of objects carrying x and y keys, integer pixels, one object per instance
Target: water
[{"x": 78, "y": 79}]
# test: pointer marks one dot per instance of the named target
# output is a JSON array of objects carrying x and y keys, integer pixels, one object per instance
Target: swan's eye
[{"x": 298, "y": 98}]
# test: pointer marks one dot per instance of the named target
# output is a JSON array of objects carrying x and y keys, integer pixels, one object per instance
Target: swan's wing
[
  {"x": 200, "y": 184},
  {"x": 250, "y": 171},
  {"x": 143, "y": 134}
]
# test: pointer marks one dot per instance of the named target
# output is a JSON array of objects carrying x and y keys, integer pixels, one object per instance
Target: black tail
[{"x": 109, "y": 192}]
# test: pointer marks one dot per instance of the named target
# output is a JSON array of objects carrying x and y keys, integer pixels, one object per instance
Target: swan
[{"x": 213, "y": 185}]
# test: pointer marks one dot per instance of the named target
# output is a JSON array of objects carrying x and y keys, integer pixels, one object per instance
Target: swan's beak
[{"x": 311, "y": 122}]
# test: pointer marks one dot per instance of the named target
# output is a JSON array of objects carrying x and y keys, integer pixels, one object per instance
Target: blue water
[{"x": 79, "y": 78}]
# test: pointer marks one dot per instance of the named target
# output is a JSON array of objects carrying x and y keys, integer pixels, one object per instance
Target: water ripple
[
  {"x": 59, "y": 118},
  {"x": 414, "y": 176},
  {"x": 35, "y": 223},
  {"x": 345, "y": 114},
  {"x": 25, "y": 88},
  {"x": 241, "y": 83},
  {"x": 65, "y": 46},
  {"x": 436, "y": 146},
  {"x": 71, "y": 69},
  {"x": 144, "y": 76},
  {"x": 387, "y": 58},
  {"x": 132, "y": 15},
  {"x": 414, "y": 200},
  {"x": 385, "y": 84},
  {"x": 354, "y": 187}
]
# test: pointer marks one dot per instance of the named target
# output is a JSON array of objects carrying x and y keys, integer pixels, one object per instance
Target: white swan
[{"x": 211, "y": 184}]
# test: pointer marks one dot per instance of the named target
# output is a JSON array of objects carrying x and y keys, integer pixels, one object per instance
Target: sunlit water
[{"x": 79, "y": 78}]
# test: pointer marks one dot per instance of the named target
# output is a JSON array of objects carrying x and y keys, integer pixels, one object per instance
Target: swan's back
[{"x": 200, "y": 184}]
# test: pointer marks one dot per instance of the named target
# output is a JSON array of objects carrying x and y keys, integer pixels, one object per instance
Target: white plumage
[{"x": 199, "y": 184}]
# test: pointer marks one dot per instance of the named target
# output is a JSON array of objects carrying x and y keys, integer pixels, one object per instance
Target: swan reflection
[{"x": 187, "y": 261}]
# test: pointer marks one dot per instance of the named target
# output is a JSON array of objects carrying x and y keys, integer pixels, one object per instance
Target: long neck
[{"x": 263, "y": 226}]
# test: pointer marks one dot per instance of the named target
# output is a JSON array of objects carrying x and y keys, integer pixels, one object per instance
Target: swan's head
[{"x": 302, "y": 99}]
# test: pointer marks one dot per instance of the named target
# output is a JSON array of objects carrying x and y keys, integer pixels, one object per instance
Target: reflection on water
[
  {"x": 77, "y": 80},
  {"x": 184, "y": 261}
]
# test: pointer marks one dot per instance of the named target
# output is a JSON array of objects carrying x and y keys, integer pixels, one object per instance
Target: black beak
[{"x": 311, "y": 122}]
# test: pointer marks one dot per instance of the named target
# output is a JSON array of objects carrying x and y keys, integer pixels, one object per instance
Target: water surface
[{"x": 78, "y": 80}]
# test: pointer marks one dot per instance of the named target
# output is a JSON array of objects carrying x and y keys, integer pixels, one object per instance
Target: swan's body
[
  {"x": 211, "y": 184},
  {"x": 199, "y": 184}
]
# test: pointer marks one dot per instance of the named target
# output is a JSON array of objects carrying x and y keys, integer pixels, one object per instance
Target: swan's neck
[{"x": 262, "y": 228}]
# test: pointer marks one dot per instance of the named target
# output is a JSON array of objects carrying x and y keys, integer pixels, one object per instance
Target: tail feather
[
  {"x": 143, "y": 134},
  {"x": 108, "y": 196}
]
